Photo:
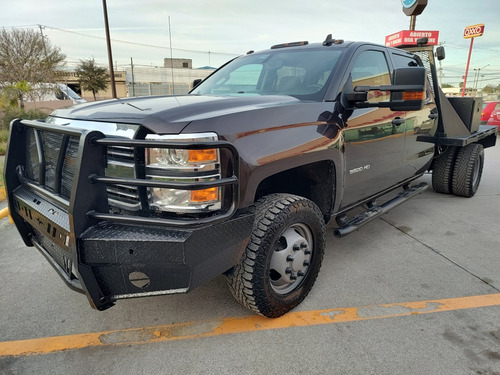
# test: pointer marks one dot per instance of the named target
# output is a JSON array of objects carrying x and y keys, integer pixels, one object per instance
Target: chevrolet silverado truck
[{"x": 158, "y": 195}]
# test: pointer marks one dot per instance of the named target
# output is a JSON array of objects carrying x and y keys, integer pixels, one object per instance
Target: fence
[{"x": 148, "y": 89}]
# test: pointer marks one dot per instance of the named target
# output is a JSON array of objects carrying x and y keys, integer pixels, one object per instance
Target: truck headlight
[{"x": 182, "y": 165}]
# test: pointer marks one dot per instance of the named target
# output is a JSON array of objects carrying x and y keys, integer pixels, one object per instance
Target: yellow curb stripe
[
  {"x": 4, "y": 213},
  {"x": 253, "y": 323}
]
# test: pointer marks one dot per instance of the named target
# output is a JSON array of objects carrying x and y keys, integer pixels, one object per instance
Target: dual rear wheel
[{"x": 458, "y": 170}]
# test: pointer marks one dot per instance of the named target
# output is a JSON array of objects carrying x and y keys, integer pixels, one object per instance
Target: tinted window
[
  {"x": 401, "y": 61},
  {"x": 371, "y": 69},
  {"x": 304, "y": 74}
]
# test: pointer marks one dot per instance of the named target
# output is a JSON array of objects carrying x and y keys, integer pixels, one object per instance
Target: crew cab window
[
  {"x": 371, "y": 69},
  {"x": 304, "y": 74},
  {"x": 401, "y": 61}
]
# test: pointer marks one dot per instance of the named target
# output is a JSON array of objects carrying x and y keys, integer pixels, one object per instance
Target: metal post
[
  {"x": 413, "y": 21},
  {"x": 110, "y": 57},
  {"x": 133, "y": 82},
  {"x": 171, "y": 55},
  {"x": 467, "y": 68}
]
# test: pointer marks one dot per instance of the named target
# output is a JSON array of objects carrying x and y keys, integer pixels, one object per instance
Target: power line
[{"x": 140, "y": 44}]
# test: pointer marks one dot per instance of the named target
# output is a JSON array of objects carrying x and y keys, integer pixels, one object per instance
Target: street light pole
[{"x": 110, "y": 57}]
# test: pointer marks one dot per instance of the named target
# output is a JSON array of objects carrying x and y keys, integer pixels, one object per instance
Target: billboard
[
  {"x": 474, "y": 31},
  {"x": 409, "y": 38}
]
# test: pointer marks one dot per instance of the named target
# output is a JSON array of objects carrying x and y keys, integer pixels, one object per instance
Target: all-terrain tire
[
  {"x": 283, "y": 258},
  {"x": 468, "y": 170},
  {"x": 442, "y": 172}
]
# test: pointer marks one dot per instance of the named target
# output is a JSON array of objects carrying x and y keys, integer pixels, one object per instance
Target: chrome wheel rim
[{"x": 290, "y": 262}]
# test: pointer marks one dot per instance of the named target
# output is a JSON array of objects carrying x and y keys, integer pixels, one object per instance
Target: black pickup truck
[{"x": 149, "y": 196}]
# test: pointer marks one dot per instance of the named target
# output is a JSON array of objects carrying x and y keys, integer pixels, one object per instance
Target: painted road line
[{"x": 253, "y": 323}]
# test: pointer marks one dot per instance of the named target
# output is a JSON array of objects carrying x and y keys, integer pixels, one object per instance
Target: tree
[
  {"x": 92, "y": 77},
  {"x": 488, "y": 89},
  {"x": 13, "y": 95},
  {"x": 26, "y": 55},
  {"x": 446, "y": 86}
]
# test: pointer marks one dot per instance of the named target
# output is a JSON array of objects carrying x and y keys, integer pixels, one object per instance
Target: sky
[{"x": 210, "y": 32}]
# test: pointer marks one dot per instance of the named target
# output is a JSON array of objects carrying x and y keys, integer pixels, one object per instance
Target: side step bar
[{"x": 371, "y": 213}]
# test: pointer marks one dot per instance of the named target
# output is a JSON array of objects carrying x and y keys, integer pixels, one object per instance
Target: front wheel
[{"x": 283, "y": 258}]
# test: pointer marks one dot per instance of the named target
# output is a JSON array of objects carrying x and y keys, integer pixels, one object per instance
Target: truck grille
[
  {"x": 51, "y": 162},
  {"x": 121, "y": 164}
]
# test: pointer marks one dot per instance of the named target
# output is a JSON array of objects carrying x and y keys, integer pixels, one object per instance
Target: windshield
[{"x": 303, "y": 74}]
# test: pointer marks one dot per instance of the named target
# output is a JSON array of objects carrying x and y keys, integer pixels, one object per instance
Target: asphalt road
[{"x": 414, "y": 292}]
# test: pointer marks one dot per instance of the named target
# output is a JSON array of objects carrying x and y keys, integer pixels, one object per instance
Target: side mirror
[
  {"x": 407, "y": 91},
  {"x": 440, "y": 55},
  {"x": 196, "y": 82}
]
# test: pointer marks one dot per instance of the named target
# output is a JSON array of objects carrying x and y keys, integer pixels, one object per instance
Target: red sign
[
  {"x": 409, "y": 38},
  {"x": 474, "y": 31}
]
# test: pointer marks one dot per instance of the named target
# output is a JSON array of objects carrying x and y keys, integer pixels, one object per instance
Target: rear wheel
[
  {"x": 468, "y": 170},
  {"x": 442, "y": 172},
  {"x": 283, "y": 257}
]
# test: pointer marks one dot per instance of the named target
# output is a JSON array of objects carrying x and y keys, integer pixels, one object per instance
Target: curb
[{"x": 5, "y": 213}]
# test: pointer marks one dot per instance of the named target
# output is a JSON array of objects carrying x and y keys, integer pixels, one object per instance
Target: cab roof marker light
[
  {"x": 292, "y": 44},
  {"x": 329, "y": 41}
]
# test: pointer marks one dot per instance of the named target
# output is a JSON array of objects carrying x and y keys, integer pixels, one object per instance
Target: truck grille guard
[
  {"x": 63, "y": 164},
  {"x": 58, "y": 191}
]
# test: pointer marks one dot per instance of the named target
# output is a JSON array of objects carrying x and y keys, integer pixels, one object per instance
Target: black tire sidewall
[
  {"x": 270, "y": 303},
  {"x": 470, "y": 160}
]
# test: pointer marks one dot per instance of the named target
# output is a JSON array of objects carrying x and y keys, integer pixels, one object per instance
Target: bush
[
  {"x": 10, "y": 114},
  {"x": 4, "y": 136}
]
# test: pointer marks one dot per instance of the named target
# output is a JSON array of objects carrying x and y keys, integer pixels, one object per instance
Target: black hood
[{"x": 168, "y": 114}]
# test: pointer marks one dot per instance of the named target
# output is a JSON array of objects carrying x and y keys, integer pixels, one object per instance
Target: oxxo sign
[
  {"x": 474, "y": 31},
  {"x": 471, "y": 32}
]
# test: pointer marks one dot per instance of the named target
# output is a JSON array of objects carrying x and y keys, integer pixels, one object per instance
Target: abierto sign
[
  {"x": 474, "y": 31},
  {"x": 408, "y": 38}
]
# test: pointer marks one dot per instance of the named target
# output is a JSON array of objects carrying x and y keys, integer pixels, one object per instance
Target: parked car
[
  {"x": 495, "y": 116},
  {"x": 488, "y": 108}
]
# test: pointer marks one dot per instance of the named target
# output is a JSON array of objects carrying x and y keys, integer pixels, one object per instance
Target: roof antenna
[{"x": 329, "y": 40}]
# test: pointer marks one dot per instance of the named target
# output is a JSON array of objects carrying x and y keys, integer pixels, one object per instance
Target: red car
[
  {"x": 488, "y": 108},
  {"x": 495, "y": 117}
]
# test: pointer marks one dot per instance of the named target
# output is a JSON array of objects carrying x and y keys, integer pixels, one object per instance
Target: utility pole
[
  {"x": 171, "y": 55},
  {"x": 43, "y": 41},
  {"x": 110, "y": 56},
  {"x": 133, "y": 82}
]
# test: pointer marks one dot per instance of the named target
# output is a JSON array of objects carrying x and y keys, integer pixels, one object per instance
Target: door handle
[{"x": 398, "y": 121}]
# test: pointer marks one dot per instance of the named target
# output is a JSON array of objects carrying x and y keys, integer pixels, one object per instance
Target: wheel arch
[{"x": 315, "y": 181}]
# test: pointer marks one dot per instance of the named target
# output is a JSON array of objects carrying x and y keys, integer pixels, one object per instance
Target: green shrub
[
  {"x": 10, "y": 114},
  {"x": 4, "y": 137}
]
